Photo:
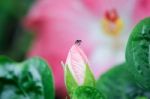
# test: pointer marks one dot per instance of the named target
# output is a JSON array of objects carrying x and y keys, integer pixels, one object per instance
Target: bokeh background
[{"x": 48, "y": 28}]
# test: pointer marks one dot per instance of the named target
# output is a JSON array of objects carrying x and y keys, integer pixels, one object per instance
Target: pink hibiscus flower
[
  {"x": 103, "y": 26},
  {"x": 141, "y": 10}
]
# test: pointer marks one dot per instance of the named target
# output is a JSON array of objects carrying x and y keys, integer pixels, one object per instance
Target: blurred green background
[{"x": 14, "y": 39}]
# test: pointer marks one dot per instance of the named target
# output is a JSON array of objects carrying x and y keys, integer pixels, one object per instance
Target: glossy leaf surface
[
  {"x": 31, "y": 79},
  {"x": 118, "y": 83},
  {"x": 138, "y": 53}
]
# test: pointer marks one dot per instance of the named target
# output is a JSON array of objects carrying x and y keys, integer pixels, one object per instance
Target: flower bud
[{"x": 77, "y": 71}]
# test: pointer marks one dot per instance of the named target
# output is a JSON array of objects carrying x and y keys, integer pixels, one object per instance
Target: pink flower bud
[{"x": 76, "y": 62}]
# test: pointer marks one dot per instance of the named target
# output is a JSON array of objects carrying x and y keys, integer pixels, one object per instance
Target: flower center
[{"x": 112, "y": 24}]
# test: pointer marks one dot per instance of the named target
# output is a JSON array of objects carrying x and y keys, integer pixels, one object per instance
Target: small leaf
[
  {"x": 89, "y": 78},
  {"x": 70, "y": 82}
]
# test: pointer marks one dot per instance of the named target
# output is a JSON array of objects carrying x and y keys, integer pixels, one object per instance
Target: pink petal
[{"x": 141, "y": 10}]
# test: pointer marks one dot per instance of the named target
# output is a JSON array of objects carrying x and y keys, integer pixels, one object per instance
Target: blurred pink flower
[
  {"x": 58, "y": 23},
  {"x": 141, "y": 10}
]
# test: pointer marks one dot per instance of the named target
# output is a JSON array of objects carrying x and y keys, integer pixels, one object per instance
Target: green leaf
[
  {"x": 141, "y": 98},
  {"x": 118, "y": 83},
  {"x": 84, "y": 92},
  {"x": 138, "y": 53},
  {"x": 70, "y": 82},
  {"x": 89, "y": 79},
  {"x": 31, "y": 79}
]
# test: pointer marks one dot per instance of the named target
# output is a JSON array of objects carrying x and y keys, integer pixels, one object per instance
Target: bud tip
[{"x": 78, "y": 42}]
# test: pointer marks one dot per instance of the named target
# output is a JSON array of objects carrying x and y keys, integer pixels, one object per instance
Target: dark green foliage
[
  {"x": 12, "y": 33},
  {"x": 31, "y": 79},
  {"x": 118, "y": 83},
  {"x": 84, "y": 92},
  {"x": 138, "y": 53}
]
